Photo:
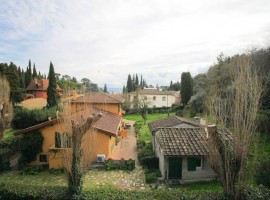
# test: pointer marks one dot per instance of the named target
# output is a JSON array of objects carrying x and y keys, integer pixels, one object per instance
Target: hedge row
[
  {"x": 120, "y": 164},
  {"x": 33, "y": 192}
]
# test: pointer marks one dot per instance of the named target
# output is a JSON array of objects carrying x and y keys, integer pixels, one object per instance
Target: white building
[{"x": 154, "y": 98}]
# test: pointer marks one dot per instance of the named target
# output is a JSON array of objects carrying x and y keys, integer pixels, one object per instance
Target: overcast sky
[{"x": 106, "y": 40}]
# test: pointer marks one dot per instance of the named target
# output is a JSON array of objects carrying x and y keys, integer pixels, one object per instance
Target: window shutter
[{"x": 57, "y": 140}]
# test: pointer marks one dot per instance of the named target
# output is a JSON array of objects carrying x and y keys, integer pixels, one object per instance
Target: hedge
[
  {"x": 36, "y": 192},
  {"x": 119, "y": 164}
]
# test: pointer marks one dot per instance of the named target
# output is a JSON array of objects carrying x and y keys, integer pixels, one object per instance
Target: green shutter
[
  {"x": 192, "y": 164},
  {"x": 57, "y": 140}
]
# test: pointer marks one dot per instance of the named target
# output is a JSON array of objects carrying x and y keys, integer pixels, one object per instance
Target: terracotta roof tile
[
  {"x": 182, "y": 141},
  {"x": 170, "y": 122},
  {"x": 108, "y": 123},
  {"x": 41, "y": 85},
  {"x": 98, "y": 97}
]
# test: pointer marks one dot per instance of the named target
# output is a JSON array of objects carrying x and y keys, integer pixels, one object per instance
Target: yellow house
[
  {"x": 100, "y": 100},
  {"x": 99, "y": 140}
]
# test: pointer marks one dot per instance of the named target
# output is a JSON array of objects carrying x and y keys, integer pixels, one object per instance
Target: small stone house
[
  {"x": 183, "y": 154},
  {"x": 172, "y": 121}
]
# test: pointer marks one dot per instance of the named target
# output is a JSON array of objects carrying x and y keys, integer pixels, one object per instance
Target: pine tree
[
  {"x": 129, "y": 84},
  {"x": 53, "y": 97},
  {"x": 186, "y": 87},
  {"x": 35, "y": 75},
  {"x": 105, "y": 88}
]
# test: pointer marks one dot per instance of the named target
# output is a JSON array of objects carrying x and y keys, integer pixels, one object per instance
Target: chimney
[
  {"x": 197, "y": 120},
  {"x": 74, "y": 97},
  {"x": 211, "y": 130}
]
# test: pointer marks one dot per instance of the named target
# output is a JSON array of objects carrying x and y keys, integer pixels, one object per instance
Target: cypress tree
[
  {"x": 129, "y": 84},
  {"x": 171, "y": 86},
  {"x": 186, "y": 87},
  {"x": 35, "y": 75},
  {"x": 30, "y": 71},
  {"x": 53, "y": 97},
  {"x": 105, "y": 88},
  {"x": 141, "y": 84},
  {"x": 137, "y": 81},
  {"x": 133, "y": 83},
  {"x": 124, "y": 89}
]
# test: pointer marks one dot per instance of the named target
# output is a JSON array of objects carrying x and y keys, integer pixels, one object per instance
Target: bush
[
  {"x": 56, "y": 171},
  {"x": 151, "y": 162},
  {"x": 119, "y": 164},
  {"x": 32, "y": 192},
  {"x": 24, "y": 118},
  {"x": 260, "y": 193},
  {"x": 262, "y": 171},
  {"x": 144, "y": 150},
  {"x": 151, "y": 176},
  {"x": 34, "y": 170}
]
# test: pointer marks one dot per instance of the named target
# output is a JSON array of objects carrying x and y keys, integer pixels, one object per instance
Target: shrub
[
  {"x": 151, "y": 162},
  {"x": 119, "y": 164},
  {"x": 145, "y": 151},
  {"x": 262, "y": 171},
  {"x": 24, "y": 118},
  {"x": 33, "y": 170},
  {"x": 56, "y": 171},
  {"x": 260, "y": 193},
  {"x": 151, "y": 176}
]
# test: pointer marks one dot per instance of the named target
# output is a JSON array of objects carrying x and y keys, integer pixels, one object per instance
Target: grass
[{"x": 144, "y": 132}]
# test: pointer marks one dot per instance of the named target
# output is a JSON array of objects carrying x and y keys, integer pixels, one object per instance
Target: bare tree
[
  {"x": 78, "y": 128},
  {"x": 6, "y": 108},
  {"x": 142, "y": 103},
  {"x": 237, "y": 111}
]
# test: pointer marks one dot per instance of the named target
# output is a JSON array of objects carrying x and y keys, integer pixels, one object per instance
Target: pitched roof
[
  {"x": 182, "y": 141},
  {"x": 99, "y": 97},
  {"x": 154, "y": 92},
  {"x": 170, "y": 122},
  {"x": 40, "y": 85},
  {"x": 108, "y": 123}
]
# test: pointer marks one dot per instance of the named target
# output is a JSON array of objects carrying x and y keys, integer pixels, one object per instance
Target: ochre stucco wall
[{"x": 94, "y": 142}]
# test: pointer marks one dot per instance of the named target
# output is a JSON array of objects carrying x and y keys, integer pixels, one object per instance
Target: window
[
  {"x": 145, "y": 98},
  {"x": 163, "y": 98},
  {"x": 154, "y": 98},
  {"x": 194, "y": 163},
  {"x": 43, "y": 158},
  {"x": 62, "y": 140}
]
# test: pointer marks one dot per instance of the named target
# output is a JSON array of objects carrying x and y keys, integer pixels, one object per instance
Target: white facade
[{"x": 157, "y": 99}]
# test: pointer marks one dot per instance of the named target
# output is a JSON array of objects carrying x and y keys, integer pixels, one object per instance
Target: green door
[{"x": 175, "y": 168}]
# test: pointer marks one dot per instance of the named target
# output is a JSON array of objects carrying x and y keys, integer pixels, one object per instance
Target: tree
[
  {"x": 141, "y": 83},
  {"x": 77, "y": 159},
  {"x": 105, "y": 88},
  {"x": 6, "y": 108},
  {"x": 52, "y": 95},
  {"x": 124, "y": 89},
  {"x": 171, "y": 86},
  {"x": 129, "y": 84},
  {"x": 238, "y": 111},
  {"x": 35, "y": 75},
  {"x": 137, "y": 81},
  {"x": 186, "y": 87}
]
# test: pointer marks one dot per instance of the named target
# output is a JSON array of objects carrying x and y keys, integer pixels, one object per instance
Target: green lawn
[{"x": 144, "y": 132}]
